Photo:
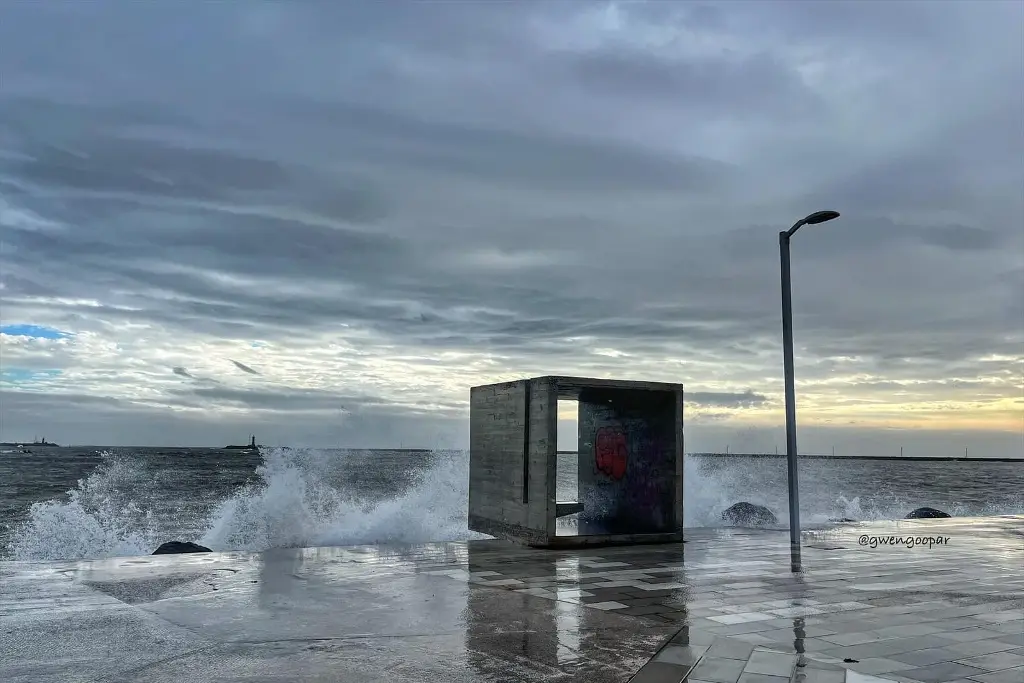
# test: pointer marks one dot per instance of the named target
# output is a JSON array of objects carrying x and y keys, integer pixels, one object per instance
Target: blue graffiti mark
[
  {"x": 16, "y": 376},
  {"x": 35, "y": 331}
]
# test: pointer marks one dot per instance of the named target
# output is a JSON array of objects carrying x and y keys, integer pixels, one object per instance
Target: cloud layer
[{"x": 326, "y": 222}]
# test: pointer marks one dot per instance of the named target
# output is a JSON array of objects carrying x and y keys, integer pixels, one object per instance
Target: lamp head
[{"x": 820, "y": 217}]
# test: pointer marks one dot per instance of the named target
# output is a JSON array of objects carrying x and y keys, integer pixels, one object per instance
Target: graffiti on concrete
[{"x": 611, "y": 453}]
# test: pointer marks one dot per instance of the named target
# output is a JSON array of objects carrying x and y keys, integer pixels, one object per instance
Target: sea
[{"x": 96, "y": 502}]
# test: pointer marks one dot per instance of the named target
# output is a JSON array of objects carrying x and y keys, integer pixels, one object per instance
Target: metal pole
[{"x": 791, "y": 452}]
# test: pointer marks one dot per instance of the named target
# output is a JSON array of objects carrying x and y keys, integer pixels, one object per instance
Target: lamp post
[{"x": 787, "y": 350}]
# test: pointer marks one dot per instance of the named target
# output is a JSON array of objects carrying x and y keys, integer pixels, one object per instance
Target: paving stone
[
  {"x": 820, "y": 676},
  {"x": 942, "y": 673},
  {"x": 682, "y": 655},
  {"x": 762, "y": 678},
  {"x": 979, "y": 647},
  {"x": 995, "y": 661},
  {"x": 1014, "y": 675},
  {"x": 719, "y": 670},
  {"x": 770, "y": 663},
  {"x": 879, "y": 666},
  {"x": 973, "y": 634},
  {"x": 919, "y": 658},
  {"x": 729, "y": 648},
  {"x": 658, "y": 672},
  {"x": 1013, "y": 639}
]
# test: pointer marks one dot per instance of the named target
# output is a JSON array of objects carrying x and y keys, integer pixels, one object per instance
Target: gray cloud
[
  {"x": 244, "y": 368},
  {"x": 725, "y": 399},
  {"x": 378, "y": 194}
]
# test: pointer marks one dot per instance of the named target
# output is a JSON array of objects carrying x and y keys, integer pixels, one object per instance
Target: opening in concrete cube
[
  {"x": 629, "y": 462},
  {"x": 567, "y": 488}
]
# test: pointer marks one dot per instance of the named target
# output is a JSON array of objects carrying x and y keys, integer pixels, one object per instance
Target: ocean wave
[{"x": 298, "y": 498}]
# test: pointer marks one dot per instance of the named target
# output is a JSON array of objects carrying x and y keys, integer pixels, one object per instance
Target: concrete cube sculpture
[{"x": 630, "y": 461}]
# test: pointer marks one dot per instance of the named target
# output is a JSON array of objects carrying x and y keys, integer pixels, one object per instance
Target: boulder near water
[
  {"x": 927, "y": 513},
  {"x": 172, "y": 547},
  {"x": 748, "y": 514}
]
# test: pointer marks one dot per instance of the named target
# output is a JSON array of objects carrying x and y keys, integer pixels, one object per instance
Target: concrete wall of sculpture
[
  {"x": 627, "y": 462},
  {"x": 513, "y": 428}
]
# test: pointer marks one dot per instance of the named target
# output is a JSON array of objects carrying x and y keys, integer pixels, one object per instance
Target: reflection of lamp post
[{"x": 787, "y": 351}]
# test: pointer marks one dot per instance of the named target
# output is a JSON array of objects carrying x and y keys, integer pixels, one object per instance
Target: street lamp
[{"x": 787, "y": 350}]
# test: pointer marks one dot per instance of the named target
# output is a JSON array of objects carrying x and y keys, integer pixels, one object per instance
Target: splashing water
[
  {"x": 302, "y": 498},
  {"x": 293, "y": 506},
  {"x": 100, "y": 518},
  {"x": 291, "y": 503}
]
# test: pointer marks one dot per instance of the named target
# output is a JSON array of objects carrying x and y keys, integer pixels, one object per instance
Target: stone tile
[
  {"x": 811, "y": 675},
  {"x": 942, "y": 673},
  {"x": 1001, "y": 617},
  {"x": 762, "y": 678},
  {"x": 901, "y": 677},
  {"x": 907, "y": 630},
  {"x": 919, "y": 658},
  {"x": 969, "y": 634},
  {"x": 681, "y": 655},
  {"x": 749, "y": 627},
  {"x": 857, "y": 677},
  {"x": 770, "y": 663},
  {"x": 802, "y": 611},
  {"x": 979, "y": 647},
  {"x": 1013, "y": 639},
  {"x": 729, "y": 648},
  {"x": 820, "y": 659},
  {"x": 658, "y": 672},
  {"x": 643, "y": 611},
  {"x": 610, "y": 605},
  {"x": 1014, "y": 675},
  {"x": 878, "y": 666},
  {"x": 718, "y": 670},
  {"x": 752, "y": 638},
  {"x": 994, "y": 661},
  {"x": 847, "y": 639},
  {"x": 689, "y": 636},
  {"x": 885, "y": 648},
  {"x": 742, "y": 618},
  {"x": 498, "y": 582}
]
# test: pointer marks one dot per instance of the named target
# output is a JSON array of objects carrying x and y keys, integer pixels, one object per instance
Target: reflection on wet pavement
[{"x": 490, "y": 611}]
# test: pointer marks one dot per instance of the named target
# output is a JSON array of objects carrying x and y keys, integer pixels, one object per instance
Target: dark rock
[
  {"x": 748, "y": 514},
  {"x": 842, "y": 520},
  {"x": 180, "y": 547},
  {"x": 927, "y": 513}
]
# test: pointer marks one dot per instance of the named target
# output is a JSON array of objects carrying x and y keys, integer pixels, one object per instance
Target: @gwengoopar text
[{"x": 904, "y": 541}]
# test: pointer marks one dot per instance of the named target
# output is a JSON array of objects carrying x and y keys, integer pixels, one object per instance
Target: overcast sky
[{"x": 322, "y": 223}]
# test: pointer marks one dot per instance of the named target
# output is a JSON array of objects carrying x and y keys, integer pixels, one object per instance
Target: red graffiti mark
[{"x": 611, "y": 452}]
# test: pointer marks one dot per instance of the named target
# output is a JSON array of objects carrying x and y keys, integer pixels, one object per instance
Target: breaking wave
[{"x": 299, "y": 498}]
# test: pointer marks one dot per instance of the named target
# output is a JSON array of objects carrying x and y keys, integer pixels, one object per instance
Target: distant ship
[
  {"x": 22, "y": 448},
  {"x": 251, "y": 446}
]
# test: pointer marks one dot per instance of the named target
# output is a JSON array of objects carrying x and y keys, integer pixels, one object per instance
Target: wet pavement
[{"x": 733, "y": 612}]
